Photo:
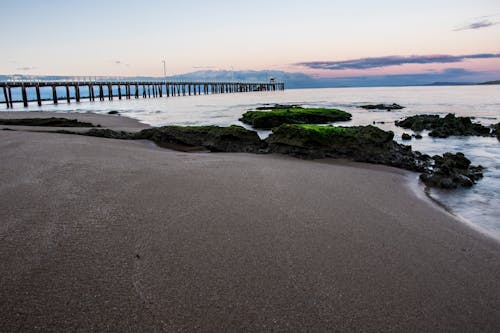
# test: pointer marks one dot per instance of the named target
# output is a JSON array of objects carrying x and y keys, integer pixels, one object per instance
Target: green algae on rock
[{"x": 293, "y": 115}]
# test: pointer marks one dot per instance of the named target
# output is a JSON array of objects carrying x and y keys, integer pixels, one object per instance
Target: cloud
[
  {"x": 477, "y": 25},
  {"x": 379, "y": 62},
  {"x": 27, "y": 68}
]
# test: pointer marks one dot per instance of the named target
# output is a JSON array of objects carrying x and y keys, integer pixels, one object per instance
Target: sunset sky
[{"x": 324, "y": 38}]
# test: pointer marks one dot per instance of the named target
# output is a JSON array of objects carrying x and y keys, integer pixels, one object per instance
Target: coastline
[{"x": 118, "y": 230}]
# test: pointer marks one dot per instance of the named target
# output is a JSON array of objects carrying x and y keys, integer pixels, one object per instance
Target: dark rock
[
  {"x": 388, "y": 107},
  {"x": 113, "y": 112},
  {"x": 293, "y": 115},
  {"x": 363, "y": 143},
  {"x": 213, "y": 138},
  {"x": 278, "y": 106},
  {"x": 406, "y": 136},
  {"x": 111, "y": 134},
  {"x": 47, "y": 122},
  {"x": 418, "y": 136},
  {"x": 451, "y": 171},
  {"x": 444, "y": 127},
  {"x": 496, "y": 130}
]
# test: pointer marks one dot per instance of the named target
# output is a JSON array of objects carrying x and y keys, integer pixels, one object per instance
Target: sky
[{"x": 322, "y": 38}]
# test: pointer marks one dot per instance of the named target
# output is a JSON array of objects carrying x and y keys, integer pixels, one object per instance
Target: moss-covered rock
[
  {"x": 214, "y": 138},
  {"x": 373, "y": 145},
  {"x": 362, "y": 143},
  {"x": 387, "y": 107},
  {"x": 444, "y": 127},
  {"x": 293, "y": 115},
  {"x": 47, "y": 122}
]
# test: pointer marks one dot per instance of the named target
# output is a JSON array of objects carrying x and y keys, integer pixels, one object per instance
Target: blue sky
[{"x": 132, "y": 37}]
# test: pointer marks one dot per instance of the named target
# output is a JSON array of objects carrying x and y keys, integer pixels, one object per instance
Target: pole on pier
[
  {"x": 160, "y": 90},
  {"x": 167, "y": 88},
  {"x": 77, "y": 93},
  {"x": 11, "y": 102},
  {"x": 67, "y": 94},
  {"x": 119, "y": 91},
  {"x": 25, "y": 96},
  {"x": 110, "y": 91},
  {"x": 101, "y": 93},
  {"x": 6, "y": 96},
  {"x": 54, "y": 94}
]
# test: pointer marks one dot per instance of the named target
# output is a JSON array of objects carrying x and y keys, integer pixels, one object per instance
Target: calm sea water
[{"x": 478, "y": 205}]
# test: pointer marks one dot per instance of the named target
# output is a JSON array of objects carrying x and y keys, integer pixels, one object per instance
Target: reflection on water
[{"x": 478, "y": 205}]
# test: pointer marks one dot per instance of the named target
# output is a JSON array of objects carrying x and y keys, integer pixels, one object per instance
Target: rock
[
  {"x": 444, "y": 127},
  {"x": 214, "y": 138},
  {"x": 387, "y": 107},
  {"x": 362, "y": 143},
  {"x": 496, "y": 130},
  {"x": 418, "y": 136},
  {"x": 293, "y": 115},
  {"x": 451, "y": 171},
  {"x": 406, "y": 136},
  {"x": 111, "y": 134},
  {"x": 278, "y": 106},
  {"x": 46, "y": 122},
  {"x": 113, "y": 112}
]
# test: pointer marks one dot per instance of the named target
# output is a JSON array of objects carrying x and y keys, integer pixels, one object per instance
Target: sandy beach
[{"x": 123, "y": 236}]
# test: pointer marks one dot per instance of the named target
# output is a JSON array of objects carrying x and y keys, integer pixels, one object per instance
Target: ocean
[{"x": 478, "y": 205}]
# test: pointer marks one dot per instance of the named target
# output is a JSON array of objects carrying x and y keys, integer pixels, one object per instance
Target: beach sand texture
[{"x": 123, "y": 236}]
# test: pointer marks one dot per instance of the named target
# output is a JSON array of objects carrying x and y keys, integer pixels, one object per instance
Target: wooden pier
[{"x": 102, "y": 90}]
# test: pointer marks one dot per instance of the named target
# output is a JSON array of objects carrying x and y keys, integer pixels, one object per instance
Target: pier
[{"x": 77, "y": 91}]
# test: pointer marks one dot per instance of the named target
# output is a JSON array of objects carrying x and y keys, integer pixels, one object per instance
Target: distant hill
[
  {"x": 491, "y": 82},
  {"x": 451, "y": 84}
]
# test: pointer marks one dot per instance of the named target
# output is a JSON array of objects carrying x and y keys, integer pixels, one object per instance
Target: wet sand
[{"x": 123, "y": 236}]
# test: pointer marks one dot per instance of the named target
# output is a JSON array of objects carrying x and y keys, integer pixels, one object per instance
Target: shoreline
[
  {"x": 125, "y": 123},
  {"x": 135, "y": 237}
]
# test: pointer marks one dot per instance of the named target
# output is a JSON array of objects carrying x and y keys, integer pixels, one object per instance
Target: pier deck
[{"x": 102, "y": 90}]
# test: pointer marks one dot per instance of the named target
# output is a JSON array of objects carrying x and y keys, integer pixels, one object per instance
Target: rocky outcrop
[
  {"x": 46, "y": 122},
  {"x": 362, "y": 143},
  {"x": 372, "y": 145},
  {"x": 444, "y": 127},
  {"x": 293, "y": 115},
  {"x": 214, "y": 138},
  {"x": 451, "y": 171},
  {"x": 387, "y": 107}
]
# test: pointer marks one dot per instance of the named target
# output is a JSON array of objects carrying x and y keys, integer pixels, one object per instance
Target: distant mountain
[
  {"x": 490, "y": 82},
  {"x": 451, "y": 84}
]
